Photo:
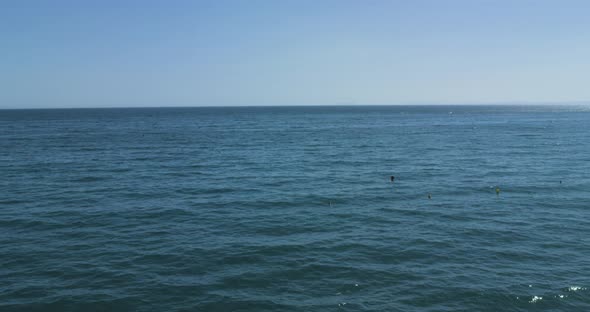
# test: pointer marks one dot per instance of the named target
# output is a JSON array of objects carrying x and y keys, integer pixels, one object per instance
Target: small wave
[
  {"x": 89, "y": 179},
  {"x": 535, "y": 299},
  {"x": 576, "y": 288},
  {"x": 13, "y": 201}
]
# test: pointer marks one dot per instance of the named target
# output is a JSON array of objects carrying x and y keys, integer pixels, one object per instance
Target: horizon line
[{"x": 520, "y": 103}]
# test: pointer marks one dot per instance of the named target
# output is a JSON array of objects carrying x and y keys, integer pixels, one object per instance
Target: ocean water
[{"x": 292, "y": 209}]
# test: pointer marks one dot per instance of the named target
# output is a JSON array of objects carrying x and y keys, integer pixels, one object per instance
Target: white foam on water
[
  {"x": 535, "y": 299},
  {"x": 576, "y": 288}
]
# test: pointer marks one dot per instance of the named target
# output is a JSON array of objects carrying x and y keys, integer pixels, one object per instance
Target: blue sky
[{"x": 58, "y": 53}]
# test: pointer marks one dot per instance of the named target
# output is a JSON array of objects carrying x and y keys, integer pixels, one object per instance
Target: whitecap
[
  {"x": 535, "y": 299},
  {"x": 576, "y": 288}
]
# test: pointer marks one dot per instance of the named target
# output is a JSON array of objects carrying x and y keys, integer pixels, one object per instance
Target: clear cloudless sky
[{"x": 70, "y": 53}]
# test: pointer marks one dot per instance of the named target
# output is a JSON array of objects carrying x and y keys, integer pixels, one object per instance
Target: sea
[{"x": 293, "y": 208}]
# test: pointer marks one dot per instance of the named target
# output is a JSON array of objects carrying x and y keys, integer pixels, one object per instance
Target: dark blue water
[{"x": 291, "y": 209}]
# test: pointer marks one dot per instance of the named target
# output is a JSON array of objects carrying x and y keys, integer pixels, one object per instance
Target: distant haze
[{"x": 215, "y": 53}]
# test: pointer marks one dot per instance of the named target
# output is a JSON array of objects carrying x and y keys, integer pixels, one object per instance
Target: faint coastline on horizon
[{"x": 483, "y": 104}]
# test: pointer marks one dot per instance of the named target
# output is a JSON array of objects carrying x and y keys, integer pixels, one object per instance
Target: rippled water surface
[{"x": 291, "y": 209}]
